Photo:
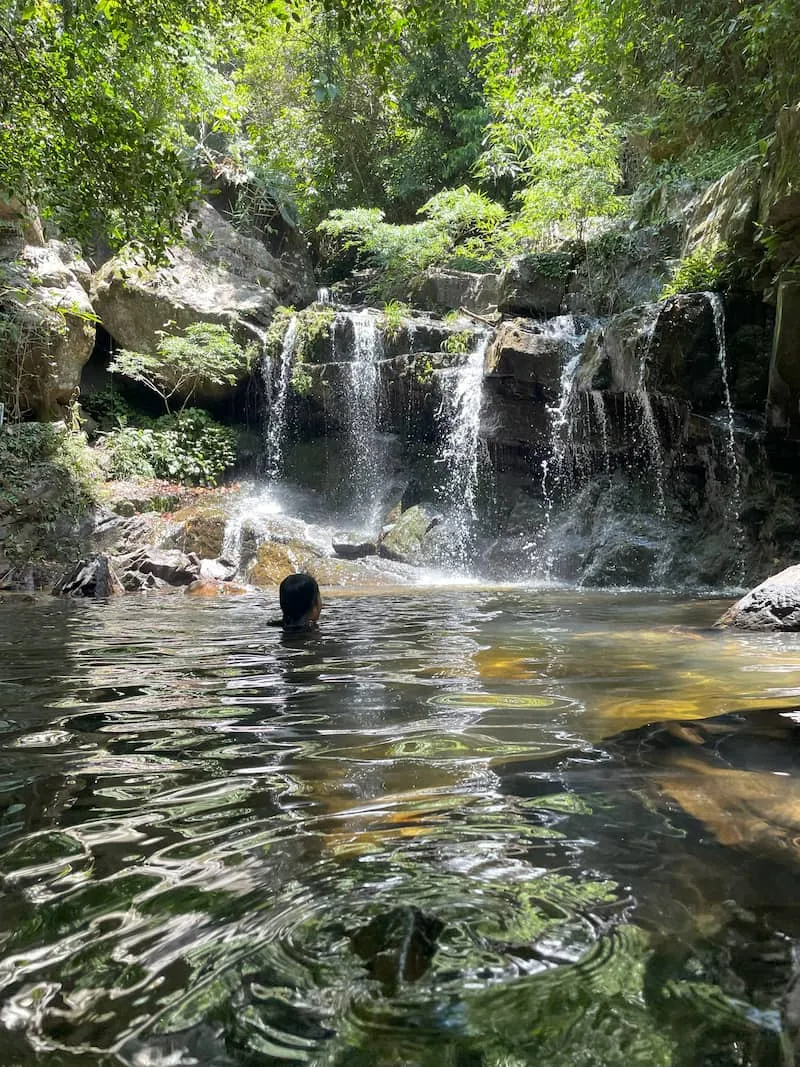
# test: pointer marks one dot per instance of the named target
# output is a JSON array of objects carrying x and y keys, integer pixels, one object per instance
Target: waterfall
[
  {"x": 557, "y": 466},
  {"x": 601, "y": 421},
  {"x": 460, "y": 414},
  {"x": 279, "y": 391},
  {"x": 648, "y": 427},
  {"x": 361, "y": 381},
  {"x": 323, "y": 295},
  {"x": 718, "y": 311}
]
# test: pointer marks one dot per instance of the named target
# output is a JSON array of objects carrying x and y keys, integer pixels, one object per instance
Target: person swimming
[{"x": 300, "y": 602}]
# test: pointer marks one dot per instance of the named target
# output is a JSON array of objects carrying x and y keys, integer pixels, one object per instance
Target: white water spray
[
  {"x": 276, "y": 428},
  {"x": 460, "y": 414}
]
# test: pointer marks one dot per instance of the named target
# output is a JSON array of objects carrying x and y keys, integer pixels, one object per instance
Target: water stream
[
  {"x": 495, "y": 827},
  {"x": 459, "y": 449},
  {"x": 366, "y": 475},
  {"x": 279, "y": 392}
]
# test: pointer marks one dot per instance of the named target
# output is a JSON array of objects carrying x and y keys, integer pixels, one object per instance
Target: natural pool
[{"x": 438, "y": 832}]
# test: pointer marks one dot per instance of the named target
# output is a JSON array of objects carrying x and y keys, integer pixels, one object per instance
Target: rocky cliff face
[{"x": 46, "y": 319}]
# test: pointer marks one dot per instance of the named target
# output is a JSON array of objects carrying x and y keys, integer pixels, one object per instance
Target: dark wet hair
[{"x": 298, "y": 595}]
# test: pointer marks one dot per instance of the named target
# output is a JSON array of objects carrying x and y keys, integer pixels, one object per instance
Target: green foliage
[
  {"x": 189, "y": 447},
  {"x": 48, "y": 479},
  {"x": 97, "y": 99},
  {"x": 205, "y": 355},
  {"x": 701, "y": 271},
  {"x": 458, "y": 343},
  {"x": 108, "y": 408},
  {"x": 392, "y": 318},
  {"x": 459, "y": 223}
]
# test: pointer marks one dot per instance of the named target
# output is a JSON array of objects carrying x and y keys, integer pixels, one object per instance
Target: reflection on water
[{"x": 462, "y": 828}]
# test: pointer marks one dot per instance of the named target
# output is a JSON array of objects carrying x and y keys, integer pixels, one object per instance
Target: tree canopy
[{"x": 113, "y": 113}]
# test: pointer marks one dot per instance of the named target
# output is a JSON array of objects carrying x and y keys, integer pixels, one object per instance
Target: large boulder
[
  {"x": 528, "y": 361},
  {"x": 46, "y": 320},
  {"x": 405, "y": 540},
  {"x": 772, "y": 606},
  {"x": 725, "y": 214},
  {"x": 443, "y": 290},
  {"x": 535, "y": 284},
  {"x": 218, "y": 275},
  {"x": 622, "y": 268}
]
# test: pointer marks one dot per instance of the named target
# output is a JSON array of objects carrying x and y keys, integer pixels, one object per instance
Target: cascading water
[
  {"x": 365, "y": 451},
  {"x": 718, "y": 311},
  {"x": 459, "y": 416},
  {"x": 276, "y": 427},
  {"x": 653, "y": 456}
]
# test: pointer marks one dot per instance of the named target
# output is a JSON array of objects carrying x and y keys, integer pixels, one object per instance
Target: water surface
[{"x": 465, "y": 827}]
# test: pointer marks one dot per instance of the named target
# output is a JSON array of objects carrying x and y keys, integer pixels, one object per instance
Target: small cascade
[
  {"x": 557, "y": 466},
  {"x": 361, "y": 386},
  {"x": 718, "y": 311},
  {"x": 653, "y": 456},
  {"x": 601, "y": 422},
  {"x": 323, "y": 295},
  {"x": 279, "y": 391},
  {"x": 460, "y": 414}
]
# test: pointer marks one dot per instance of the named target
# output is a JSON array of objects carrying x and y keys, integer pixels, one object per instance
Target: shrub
[
  {"x": 206, "y": 354},
  {"x": 189, "y": 447},
  {"x": 701, "y": 271},
  {"x": 391, "y": 320}
]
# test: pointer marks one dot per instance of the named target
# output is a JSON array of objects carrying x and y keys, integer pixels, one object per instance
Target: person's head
[{"x": 300, "y": 600}]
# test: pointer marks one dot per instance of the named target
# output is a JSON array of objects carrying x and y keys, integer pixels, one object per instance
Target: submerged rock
[
  {"x": 90, "y": 578},
  {"x": 773, "y": 606}
]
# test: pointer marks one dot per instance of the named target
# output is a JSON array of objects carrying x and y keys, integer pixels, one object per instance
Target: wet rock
[
  {"x": 217, "y": 570},
  {"x": 398, "y": 946},
  {"x": 46, "y": 317},
  {"x": 444, "y": 290},
  {"x": 202, "y": 534},
  {"x": 404, "y": 540},
  {"x": 535, "y": 284},
  {"x": 527, "y": 361},
  {"x": 354, "y": 546},
  {"x": 772, "y": 606},
  {"x": 172, "y": 568},
  {"x": 90, "y": 578}
]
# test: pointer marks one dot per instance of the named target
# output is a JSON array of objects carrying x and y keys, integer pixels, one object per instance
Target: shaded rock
[
  {"x": 779, "y": 195},
  {"x": 620, "y": 269},
  {"x": 46, "y": 319},
  {"x": 218, "y": 275},
  {"x": 535, "y": 284},
  {"x": 528, "y": 360},
  {"x": 444, "y": 290},
  {"x": 90, "y": 578},
  {"x": 404, "y": 540},
  {"x": 783, "y": 398},
  {"x": 772, "y": 606},
  {"x": 354, "y": 546}
]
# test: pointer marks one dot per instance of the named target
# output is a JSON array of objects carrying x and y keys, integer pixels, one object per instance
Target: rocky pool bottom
[{"x": 486, "y": 826}]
